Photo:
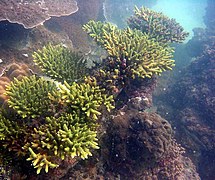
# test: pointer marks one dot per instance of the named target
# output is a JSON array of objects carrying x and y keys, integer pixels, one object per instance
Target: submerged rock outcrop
[{"x": 190, "y": 101}]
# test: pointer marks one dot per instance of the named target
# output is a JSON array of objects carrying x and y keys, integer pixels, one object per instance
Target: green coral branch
[
  {"x": 157, "y": 25},
  {"x": 65, "y": 136},
  {"x": 7, "y": 128},
  {"x": 96, "y": 30},
  {"x": 60, "y": 63},
  {"x": 85, "y": 98},
  {"x": 13, "y": 134},
  {"x": 140, "y": 54},
  {"x": 58, "y": 120},
  {"x": 40, "y": 161},
  {"x": 29, "y": 96}
]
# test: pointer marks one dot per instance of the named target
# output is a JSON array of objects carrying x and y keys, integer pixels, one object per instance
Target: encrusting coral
[
  {"x": 11, "y": 71},
  {"x": 60, "y": 63},
  {"x": 17, "y": 70},
  {"x": 157, "y": 25},
  {"x": 3, "y": 82}
]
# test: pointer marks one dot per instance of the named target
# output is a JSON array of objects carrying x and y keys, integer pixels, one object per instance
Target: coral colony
[{"x": 57, "y": 116}]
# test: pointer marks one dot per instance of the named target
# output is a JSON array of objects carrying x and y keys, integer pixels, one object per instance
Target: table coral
[{"x": 34, "y": 12}]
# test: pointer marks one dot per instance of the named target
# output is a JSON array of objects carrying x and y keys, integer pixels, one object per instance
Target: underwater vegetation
[{"x": 57, "y": 116}]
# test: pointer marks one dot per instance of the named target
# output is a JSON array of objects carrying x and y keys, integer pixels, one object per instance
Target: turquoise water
[{"x": 188, "y": 13}]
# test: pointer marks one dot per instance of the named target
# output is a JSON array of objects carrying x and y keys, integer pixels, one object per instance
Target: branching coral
[
  {"x": 128, "y": 44},
  {"x": 40, "y": 161},
  {"x": 85, "y": 98},
  {"x": 12, "y": 134},
  {"x": 157, "y": 25},
  {"x": 49, "y": 135},
  {"x": 58, "y": 118},
  {"x": 29, "y": 96},
  {"x": 7, "y": 128},
  {"x": 69, "y": 135},
  {"x": 131, "y": 53},
  {"x": 60, "y": 63}
]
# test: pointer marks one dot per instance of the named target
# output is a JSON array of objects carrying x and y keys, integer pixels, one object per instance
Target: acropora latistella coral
[
  {"x": 131, "y": 54},
  {"x": 29, "y": 96},
  {"x": 53, "y": 120},
  {"x": 139, "y": 51},
  {"x": 56, "y": 117},
  {"x": 60, "y": 63},
  {"x": 157, "y": 25}
]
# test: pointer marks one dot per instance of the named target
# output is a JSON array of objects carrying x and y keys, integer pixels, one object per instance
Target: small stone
[{"x": 26, "y": 55}]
